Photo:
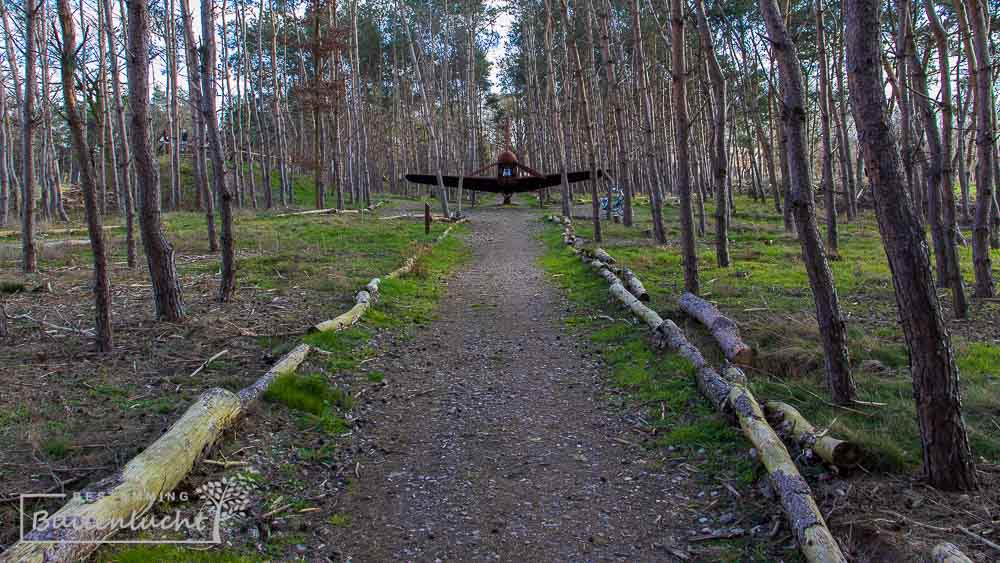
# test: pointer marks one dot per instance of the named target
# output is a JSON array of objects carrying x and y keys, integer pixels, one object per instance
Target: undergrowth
[{"x": 767, "y": 292}]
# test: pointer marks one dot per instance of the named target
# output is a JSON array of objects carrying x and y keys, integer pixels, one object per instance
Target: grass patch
[
  {"x": 7, "y": 287},
  {"x": 56, "y": 447},
  {"x": 661, "y": 381},
  {"x": 310, "y": 393},
  {"x": 339, "y": 520},
  {"x": 171, "y": 554},
  {"x": 766, "y": 291}
]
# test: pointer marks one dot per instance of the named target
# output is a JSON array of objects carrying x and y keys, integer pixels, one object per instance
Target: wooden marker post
[{"x": 427, "y": 218}]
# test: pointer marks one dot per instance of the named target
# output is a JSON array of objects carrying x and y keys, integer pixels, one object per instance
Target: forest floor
[
  {"x": 881, "y": 510},
  {"x": 69, "y": 417},
  {"x": 495, "y": 403}
]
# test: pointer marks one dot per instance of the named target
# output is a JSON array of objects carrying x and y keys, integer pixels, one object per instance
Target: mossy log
[
  {"x": 725, "y": 331},
  {"x": 156, "y": 471},
  {"x": 603, "y": 256},
  {"x": 829, "y": 449},
  {"x": 633, "y": 284},
  {"x": 948, "y": 553},
  {"x": 815, "y": 540},
  {"x": 733, "y": 399},
  {"x": 362, "y": 301}
]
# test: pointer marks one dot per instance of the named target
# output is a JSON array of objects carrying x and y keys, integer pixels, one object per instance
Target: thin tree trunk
[
  {"x": 159, "y": 253},
  {"x": 227, "y": 284},
  {"x": 826, "y": 165},
  {"x": 591, "y": 138},
  {"x": 720, "y": 164},
  {"x": 78, "y": 133},
  {"x": 198, "y": 146},
  {"x": 28, "y": 250},
  {"x": 125, "y": 158},
  {"x": 981, "y": 263},
  {"x": 682, "y": 147},
  {"x": 831, "y": 323},
  {"x": 952, "y": 266},
  {"x": 642, "y": 81}
]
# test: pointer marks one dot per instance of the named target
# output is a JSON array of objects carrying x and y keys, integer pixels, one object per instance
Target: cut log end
[{"x": 948, "y": 553}]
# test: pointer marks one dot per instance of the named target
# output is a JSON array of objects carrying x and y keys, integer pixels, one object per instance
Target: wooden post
[{"x": 427, "y": 218}]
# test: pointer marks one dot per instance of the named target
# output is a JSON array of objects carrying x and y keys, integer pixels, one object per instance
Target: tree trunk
[
  {"x": 682, "y": 147},
  {"x": 942, "y": 214},
  {"x": 826, "y": 164},
  {"x": 948, "y": 461},
  {"x": 981, "y": 263},
  {"x": 197, "y": 116},
  {"x": 125, "y": 158},
  {"x": 720, "y": 165},
  {"x": 591, "y": 138},
  {"x": 831, "y": 323},
  {"x": 642, "y": 81},
  {"x": 28, "y": 250},
  {"x": 159, "y": 253},
  {"x": 78, "y": 132},
  {"x": 227, "y": 284}
]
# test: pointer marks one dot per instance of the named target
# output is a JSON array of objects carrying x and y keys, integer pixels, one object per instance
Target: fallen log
[
  {"x": 331, "y": 211},
  {"x": 603, "y": 256},
  {"x": 633, "y": 284},
  {"x": 156, "y": 471},
  {"x": 948, "y": 553},
  {"x": 362, "y": 300},
  {"x": 804, "y": 517},
  {"x": 725, "y": 331},
  {"x": 733, "y": 399},
  {"x": 829, "y": 449},
  {"x": 70, "y": 231}
]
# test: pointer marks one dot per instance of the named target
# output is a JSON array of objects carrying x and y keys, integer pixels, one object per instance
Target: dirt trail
[{"x": 494, "y": 441}]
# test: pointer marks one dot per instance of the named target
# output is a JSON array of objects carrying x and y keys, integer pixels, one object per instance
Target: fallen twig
[{"x": 208, "y": 361}]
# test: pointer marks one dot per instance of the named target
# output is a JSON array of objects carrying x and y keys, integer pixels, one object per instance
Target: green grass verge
[{"x": 767, "y": 292}]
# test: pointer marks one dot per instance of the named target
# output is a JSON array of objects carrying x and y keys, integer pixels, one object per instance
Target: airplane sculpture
[{"x": 509, "y": 179}]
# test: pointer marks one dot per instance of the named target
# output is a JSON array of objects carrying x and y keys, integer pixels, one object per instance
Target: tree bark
[
  {"x": 125, "y": 158},
  {"x": 167, "y": 299},
  {"x": 28, "y": 251},
  {"x": 88, "y": 181},
  {"x": 948, "y": 461},
  {"x": 981, "y": 262},
  {"x": 197, "y": 116},
  {"x": 720, "y": 165},
  {"x": 224, "y": 194},
  {"x": 724, "y": 330},
  {"x": 831, "y": 323},
  {"x": 642, "y": 81},
  {"x": 826, "y": 165},
  {"x": 942, "y": 194}
]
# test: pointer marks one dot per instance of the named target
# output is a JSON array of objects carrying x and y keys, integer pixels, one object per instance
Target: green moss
[
  {"x": 56, "y": 447},
  {"x": 310, "y": 393},
  {"x": 339, "y": 520},
  {"x": 171, "y": 554},
  {"x": 767, "y": 292}
]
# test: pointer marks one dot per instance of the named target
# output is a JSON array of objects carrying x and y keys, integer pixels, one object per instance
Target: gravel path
[{"x": 492, "y": 441}]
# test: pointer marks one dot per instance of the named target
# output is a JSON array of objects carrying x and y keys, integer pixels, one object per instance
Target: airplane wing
[
  {"x": 478, "y": 183},
  {"x": 487, "y": 184},
  {"x": 535, "y": 183}
]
